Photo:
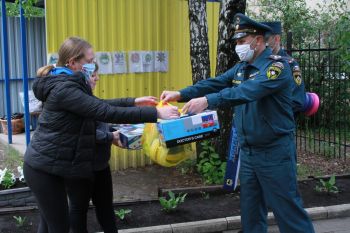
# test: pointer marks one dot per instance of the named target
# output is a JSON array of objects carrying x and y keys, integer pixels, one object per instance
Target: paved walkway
[
  {"x": 337, "y": 225},
  {"x": 18, "y": 141}
]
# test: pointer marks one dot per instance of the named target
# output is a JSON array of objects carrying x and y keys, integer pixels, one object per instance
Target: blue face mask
[{"x": 88, "y": 69}]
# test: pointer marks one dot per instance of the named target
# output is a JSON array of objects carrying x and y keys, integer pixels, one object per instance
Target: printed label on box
[{"x": 189, "y": 128}]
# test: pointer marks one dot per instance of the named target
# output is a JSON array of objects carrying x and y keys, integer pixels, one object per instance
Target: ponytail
[{"x": 44, "y": 71}]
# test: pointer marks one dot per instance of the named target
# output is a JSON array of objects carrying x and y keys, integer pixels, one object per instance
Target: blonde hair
[{"x": 71, "y": 48}]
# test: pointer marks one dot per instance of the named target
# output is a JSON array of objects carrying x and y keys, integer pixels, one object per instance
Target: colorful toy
[{"x": 312, "y": 103}]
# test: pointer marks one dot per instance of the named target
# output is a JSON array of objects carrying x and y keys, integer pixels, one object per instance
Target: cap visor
[{"x": 239, "y": 35}]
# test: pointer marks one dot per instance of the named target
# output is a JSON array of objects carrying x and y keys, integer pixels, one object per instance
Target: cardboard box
[
  {"x": 130, "y": 135},
  {"x": 189, "y": 128}
]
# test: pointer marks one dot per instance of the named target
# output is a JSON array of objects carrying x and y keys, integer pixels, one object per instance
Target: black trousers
[
  {"x": 102, "y": 198},
  {"x": 79, "y": 192},
  {"x": 101, "y": 193},
  {"x": 50, "y": 193}
]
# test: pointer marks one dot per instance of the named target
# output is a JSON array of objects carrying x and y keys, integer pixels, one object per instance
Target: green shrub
[
  {"x": 173, "y": 202},
  {"x": 121, "y": 213},
  {"x": 210, "y": 165},
  {"x": 327, "y": 186}
]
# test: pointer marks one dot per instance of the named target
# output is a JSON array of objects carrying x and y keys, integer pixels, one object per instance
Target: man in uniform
[
  {"x": 274, "y": 42},
  {"x": 260, "y": 88}
]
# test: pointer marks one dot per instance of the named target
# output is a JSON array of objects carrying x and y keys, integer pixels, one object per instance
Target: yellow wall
[{"x": 127, "y": 25}]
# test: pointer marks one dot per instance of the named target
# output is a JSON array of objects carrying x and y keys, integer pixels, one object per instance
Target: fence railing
[{"x": 328, "y": 132}]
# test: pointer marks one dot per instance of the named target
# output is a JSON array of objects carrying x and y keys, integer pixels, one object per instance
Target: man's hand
[
  {"x": 195, "y": 106},
  {"x": 146, "y": 101},
  {"x": 116, "y": 139},
  {"x": 169, "y": 96}
]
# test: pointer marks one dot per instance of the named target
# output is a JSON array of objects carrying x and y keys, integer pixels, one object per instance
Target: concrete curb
[{"x": 234, "y": 222}]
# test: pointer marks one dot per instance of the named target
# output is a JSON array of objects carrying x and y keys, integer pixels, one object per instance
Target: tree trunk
[
  {"x": 199, "y": 47},
  {"x": 226, "y": 58}
]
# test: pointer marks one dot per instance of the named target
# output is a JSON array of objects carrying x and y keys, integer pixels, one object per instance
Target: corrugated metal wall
[
  {"x": 36, "y": 52},
  {"x": 127, "y": 25}
]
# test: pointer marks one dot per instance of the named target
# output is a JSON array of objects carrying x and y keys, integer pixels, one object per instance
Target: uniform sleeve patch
[
  {"x": 274, "y": 70},
  {"x": 297, "y": 75}
]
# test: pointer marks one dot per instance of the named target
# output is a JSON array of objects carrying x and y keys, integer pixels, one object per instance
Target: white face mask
[
  {"x": 88, "y": 69},
  {"x": 244, "y": 52}
]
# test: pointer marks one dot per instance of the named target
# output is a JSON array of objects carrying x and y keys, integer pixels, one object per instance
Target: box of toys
[
  {"x": 189, "y": 128},
  {"x": 130, "y": 135}
]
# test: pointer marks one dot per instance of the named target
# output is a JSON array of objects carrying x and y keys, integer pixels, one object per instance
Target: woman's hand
[
  {"x": 116, "y": 139},
  {"x": 168, "y": 112},
  {"x": 146, "y": 101}
]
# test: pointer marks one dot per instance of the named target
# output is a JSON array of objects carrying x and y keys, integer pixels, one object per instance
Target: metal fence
[
  {"x": 36, "y": 57},
  {"x": 328, "y": 132}
]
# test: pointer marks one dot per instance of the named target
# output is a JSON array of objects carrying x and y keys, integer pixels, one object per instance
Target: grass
[
  {"x": 304, "y": 171},
  {"x": 11, "y": 158},
  {"x": 329, "y": 150},
  {"x": 318, "y": 141},
  {"x": 187, "y": 166}
]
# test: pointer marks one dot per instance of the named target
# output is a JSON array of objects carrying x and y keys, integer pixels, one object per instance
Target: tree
[
  {"x": 30, "y": 10},
  {"x": 305, "y": 23},
  {"x": 226, "y": 58},
  {"x": 199, "y": 46}
]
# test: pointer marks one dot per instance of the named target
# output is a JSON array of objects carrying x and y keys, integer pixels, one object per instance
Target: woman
[
  {"x": 101, "y": 190},
  {"x": 61, "y": 151}
]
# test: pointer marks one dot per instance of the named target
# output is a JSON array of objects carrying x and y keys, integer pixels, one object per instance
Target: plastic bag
[
  {"x": 158, "y": 152},
  {"x": 35, "y": 105}
]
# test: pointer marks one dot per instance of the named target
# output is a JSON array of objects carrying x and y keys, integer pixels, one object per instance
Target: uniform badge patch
[
  {"x": 237, "y": 23},
  {"x": 274, "y": 70},
  {"x": 297, "y": 75}
]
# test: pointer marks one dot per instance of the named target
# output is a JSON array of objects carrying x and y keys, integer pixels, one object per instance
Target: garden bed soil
[
  {"x": 196, "y": 207},
  {"x": 18, "y": 184}
]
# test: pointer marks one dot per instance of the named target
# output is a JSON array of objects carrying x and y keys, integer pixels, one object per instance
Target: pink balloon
[{"x": 315, "y": 104}]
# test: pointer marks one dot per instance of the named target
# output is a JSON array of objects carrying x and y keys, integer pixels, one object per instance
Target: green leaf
[
  {"x": 162, "y": 201},
  {"x": 332, "y": 180},
  {"x": 223, "y": 166},
  {"x": 214, "y": 155},
  {"x": 203, "y": 161},
  {"x": 323, "y": 182},
  {"x": 203, "y": 154},
  {"x": 216, "y": 163},
  {"x": 211, "y": 149},
  {"x": 183, "y": 197},
  {"x": 128, "y": 211},
  {"x": 171, "y": 195}
]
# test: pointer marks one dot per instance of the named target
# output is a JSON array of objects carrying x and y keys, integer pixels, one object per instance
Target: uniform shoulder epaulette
[
  {"x": 284, "y": 58},
  {"x": 288, "y": 59},
  {"x": 275, "y": 57}
]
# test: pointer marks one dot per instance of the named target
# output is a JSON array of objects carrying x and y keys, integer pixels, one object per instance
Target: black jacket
[
  {"x": 64, "y": 141},
  {"x": 104, "y": 136}
]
